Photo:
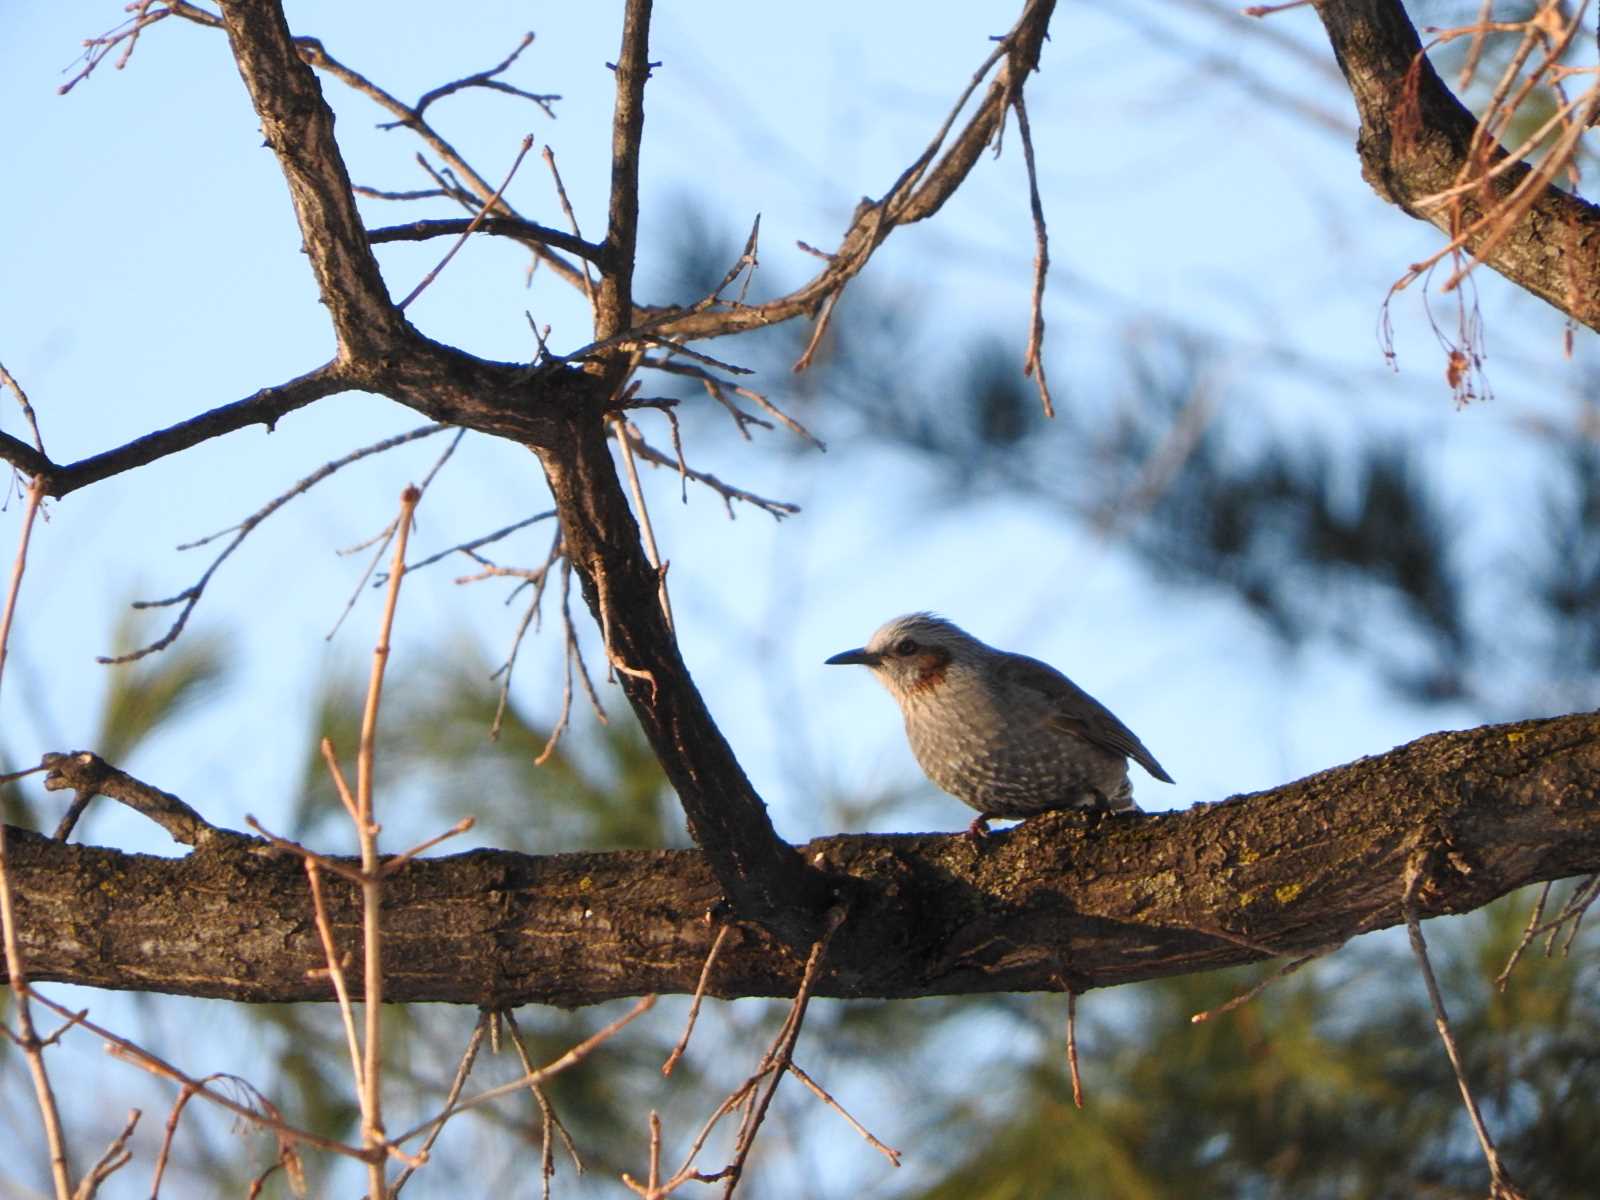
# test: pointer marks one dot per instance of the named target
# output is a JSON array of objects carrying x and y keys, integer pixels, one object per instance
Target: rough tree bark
[
  {"x": 1062, "y": 900},
  {"x": 1414, "y": 142}
]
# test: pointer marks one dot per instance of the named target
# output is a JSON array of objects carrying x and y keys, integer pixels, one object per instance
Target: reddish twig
[{"x": 699, "y": 994}]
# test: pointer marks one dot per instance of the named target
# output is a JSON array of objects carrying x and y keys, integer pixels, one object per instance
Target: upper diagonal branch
[
  {"x": 917, "y": 193},
  {"x": 1416, "y": 141},
  {"x": 298, "y": 125}
]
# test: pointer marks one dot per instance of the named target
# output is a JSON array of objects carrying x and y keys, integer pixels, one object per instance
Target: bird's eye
[{"x": 905, "y": 647}]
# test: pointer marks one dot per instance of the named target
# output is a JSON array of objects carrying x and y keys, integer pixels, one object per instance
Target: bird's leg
[{"x": 979, "y": 828}]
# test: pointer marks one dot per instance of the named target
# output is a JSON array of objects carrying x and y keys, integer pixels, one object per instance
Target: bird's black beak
[{"x": 862, "y": 657}]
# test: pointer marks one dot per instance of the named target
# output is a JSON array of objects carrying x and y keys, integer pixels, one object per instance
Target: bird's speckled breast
[{"x": 1011, "y": 763}]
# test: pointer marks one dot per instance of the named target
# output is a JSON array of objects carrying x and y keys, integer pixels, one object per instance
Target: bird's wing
[{"x": 1075, "y": 711}]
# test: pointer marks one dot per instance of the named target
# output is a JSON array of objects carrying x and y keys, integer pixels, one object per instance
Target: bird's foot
[{"x": 979, "y": 829}]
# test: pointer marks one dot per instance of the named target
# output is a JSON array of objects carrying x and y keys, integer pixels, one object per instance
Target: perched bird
[{"x": 1004, "y": 733}]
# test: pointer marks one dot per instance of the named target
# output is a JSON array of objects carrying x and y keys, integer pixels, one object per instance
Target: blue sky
[{"x": 152, "y": 271}]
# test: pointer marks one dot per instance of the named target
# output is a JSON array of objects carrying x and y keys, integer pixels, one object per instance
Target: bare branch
[
  {"x": 87, "y": 774},
  {"x": 313, "y": 52},
  {"x": 778, "y": 509},
  {"x": 1500, "y": 1185},
  {"x": 190, "y": 596},
  {"x": 530, "y": 233},
  {"x": 566, "y": 1061},
  {"x": 298, "y": 126},
  {"x": 1418, "y": 140},
  {"x": 263, "y": 408},
  {"x": 614, "y": 303},
  {"x": 699, "y": 995},
  {"x": 116, "y": 1156},
  {"x": 484, "y": 79},
  {"x": 26, "y": 1038},
  {"x": 919, "y": 192},
  {"x": 9, "y": 380},
  {"x": 475, "y": 543},
  {"x": 1033, "y": 361},
  {"x": 888, "y": 1152},
  {"x": 552, "y": 1124},
  {"x": 527, "y": 144},
  {"x": 96, "y": 49},
  {"x": 464, "y": 1068}
]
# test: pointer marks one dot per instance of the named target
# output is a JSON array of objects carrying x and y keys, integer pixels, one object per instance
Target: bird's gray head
[{"x": 910, "y": 655}]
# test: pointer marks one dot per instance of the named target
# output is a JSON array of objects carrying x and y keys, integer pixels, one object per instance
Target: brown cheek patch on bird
[{"x": 931, "y": 666}]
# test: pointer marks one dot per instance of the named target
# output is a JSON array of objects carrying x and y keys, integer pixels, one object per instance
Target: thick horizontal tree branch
[
  {"x": 1414, "y": 142},
  {"x": 1090, "y": 901}
]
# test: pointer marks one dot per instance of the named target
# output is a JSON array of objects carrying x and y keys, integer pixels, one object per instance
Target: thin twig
[
  {"x": 777, "y": 509},
  {"x": 821, "y": 1093},
  {"x": 190, "y": 596},
  {"x": 716, "y": 387},
  {"x": 391, "y": 865},
  {"x": 528, "y": 617},
  {"x": 371, "y": 883},
  {"x": 178, "y": 1106},
  {"x": 571, "y": 1058},
  {"x": 97, "y": 49},
  {"x": 1033, "y": 360},
  {"x": 116, "y": 1156},
  {"x": 335, "y": 961},
  {"x": 551, "y": 1125},
  {"x": 19, "y": 564},
  {"x": 1500, "y": 1182},
  {"x": 26, "y": 1038},
  {"x": 483, "y": 79},
  {"x": 652, "y": 552},
  {"x": 314, "y": 52},
  {"x": 137, "y": 1055},
  {"x": 723, "y": 929},
  {"x": 463, "y": 1069},
  {"x": 1528, "y": 935},
  {"x": 779, "y": 1057},
  {"x": 474, "y": 544},
  {"x": 1072, "y": 1047},
  {"x": 818, "y": 328},
  {"x": 382, "y": 538},
  {"x": 10, "y": 381},
  {"x": 1262, "y": 984},
  {"x": 341, "y": 785},
  {"x": 527, "y": 144},
  {"x": 572, "y": 219}
]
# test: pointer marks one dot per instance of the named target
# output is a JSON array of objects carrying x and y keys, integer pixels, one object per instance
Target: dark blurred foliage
[
  {"x": 1331, "y": 1083},
  {"x": 1566, "y": 575}
]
